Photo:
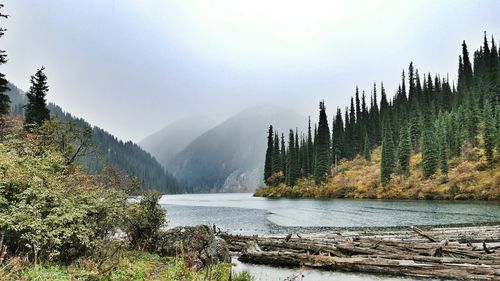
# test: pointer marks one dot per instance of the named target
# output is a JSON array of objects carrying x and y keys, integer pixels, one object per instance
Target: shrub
[
  {"x": 144, "y": 220},
  {"x": 50, "y": 209}
]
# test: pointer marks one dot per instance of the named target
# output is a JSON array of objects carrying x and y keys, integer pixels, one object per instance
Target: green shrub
[
  {"x": 144, "y": 221},
  {"x": 51, "y": 209}
]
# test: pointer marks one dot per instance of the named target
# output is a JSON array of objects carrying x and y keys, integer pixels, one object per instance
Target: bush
[
  {"x": 144, "y": 220},
  {"x": 50, "y": 209}
]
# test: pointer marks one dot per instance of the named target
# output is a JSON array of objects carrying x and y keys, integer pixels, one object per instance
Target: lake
[{"x": 245, "y": 214}]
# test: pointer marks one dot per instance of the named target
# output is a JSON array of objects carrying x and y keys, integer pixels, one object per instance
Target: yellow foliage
[{"x": 469, "y": 178}]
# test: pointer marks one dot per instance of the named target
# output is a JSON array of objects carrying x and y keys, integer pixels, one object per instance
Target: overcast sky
[{"x": 133, "y": 66}]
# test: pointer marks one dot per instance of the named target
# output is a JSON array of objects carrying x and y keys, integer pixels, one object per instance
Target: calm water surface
[{"x": 242, "y": 213}]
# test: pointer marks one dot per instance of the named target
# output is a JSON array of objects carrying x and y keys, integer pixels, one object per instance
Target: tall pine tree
[
  {"x": 268, "y": 165},
  {"x": 36, "y": 110},
  {"x": 404, "y": 151},
  {"x": 388, "y": 161},
  {"x": 322, "y": 146}
]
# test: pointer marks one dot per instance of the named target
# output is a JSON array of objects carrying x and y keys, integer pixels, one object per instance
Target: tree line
[{"x": 429, "y": 114}]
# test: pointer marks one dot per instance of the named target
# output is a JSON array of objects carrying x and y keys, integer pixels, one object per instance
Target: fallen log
[{"x": 403, "y": 253}]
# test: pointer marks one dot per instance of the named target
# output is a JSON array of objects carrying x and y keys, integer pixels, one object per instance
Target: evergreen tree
[
  {"x": 322, "y": 147},
  {"x": 4, "y": 98},
  {"x": 387, "y": 163},
  {"x": 337, "y": 137},
  {"x": 443, "y": 146},
  {"x": 291, "y": 174},
  {"x": 367, "y": 148},
  {"x": 429, "y": 149},
  {"x": 276, "y": 154},
  {"x": 283, "y": 154},
  {"x": 467, "y": 69},
  {"x": 489, "y": 131},
  {"x": 404, "y": 151},
  {"x": 36, "y": 109},
  {"x": 268, "y": 166}
]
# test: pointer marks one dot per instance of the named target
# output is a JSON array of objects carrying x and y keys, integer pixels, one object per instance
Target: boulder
[{"x": 199, "y": 244}]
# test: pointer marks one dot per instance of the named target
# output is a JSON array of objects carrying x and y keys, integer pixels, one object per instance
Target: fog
[{"x": 133, "y": 66}]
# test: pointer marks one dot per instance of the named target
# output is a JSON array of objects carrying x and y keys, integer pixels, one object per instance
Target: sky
[{"x": 133, "y": 66}]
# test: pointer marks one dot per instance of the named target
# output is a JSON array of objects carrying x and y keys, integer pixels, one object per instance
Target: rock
[{"x": 199, "y": 244}]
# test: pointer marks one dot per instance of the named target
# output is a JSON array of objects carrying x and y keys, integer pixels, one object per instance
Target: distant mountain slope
[
  {"x": 172, "y": 139},
  {"x": 126, "y": 156},
  {"x": 229, "y": 157}
]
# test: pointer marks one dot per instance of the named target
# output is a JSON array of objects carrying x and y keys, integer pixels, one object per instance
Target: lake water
[{"x": 245, "y": 214}]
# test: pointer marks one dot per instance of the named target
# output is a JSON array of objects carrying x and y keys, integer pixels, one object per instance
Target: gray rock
[{"x": 200, "y": 246}]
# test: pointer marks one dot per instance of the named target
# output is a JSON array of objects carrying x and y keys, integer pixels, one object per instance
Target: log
[{"x": 412, "y": 253}]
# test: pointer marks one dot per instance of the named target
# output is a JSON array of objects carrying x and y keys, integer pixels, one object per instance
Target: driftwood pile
[{"x": 458, "y": 253}]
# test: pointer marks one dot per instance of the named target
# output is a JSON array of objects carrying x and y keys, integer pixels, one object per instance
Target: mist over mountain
[
  {"x": 173, "y": 138},
  {"x": 229, "y": 157},
  {"x": 109, "y": 150}
]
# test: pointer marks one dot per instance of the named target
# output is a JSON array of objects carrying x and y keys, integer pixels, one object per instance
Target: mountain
[
  {"x": 172, "y": 139},
  {"x": 228, "y": 158},
  {"x": 109, "y": 150}
]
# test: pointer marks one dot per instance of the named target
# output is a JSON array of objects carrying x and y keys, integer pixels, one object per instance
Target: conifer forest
[{"x": 429, "y": 126}]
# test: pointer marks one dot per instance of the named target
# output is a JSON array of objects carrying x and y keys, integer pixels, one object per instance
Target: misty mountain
[
  {"x": 172, "y": 139},
  {"x": 229, "y": 157},
  {"x": 109, "y": 150}
]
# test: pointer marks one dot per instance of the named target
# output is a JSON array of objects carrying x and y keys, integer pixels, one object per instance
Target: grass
[{"x": 133, "y": 265}]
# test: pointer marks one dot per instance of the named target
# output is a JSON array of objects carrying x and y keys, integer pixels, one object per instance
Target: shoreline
[{"x": 459, "y": 253}]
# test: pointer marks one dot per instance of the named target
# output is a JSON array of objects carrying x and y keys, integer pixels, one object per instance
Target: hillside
[
  {"x": 228, "y": 157},
  {"x": 172, "y": 139},
  {"x": 109, "y": 150}
]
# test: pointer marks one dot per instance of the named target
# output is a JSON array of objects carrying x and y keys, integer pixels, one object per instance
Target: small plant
[{"x": 242, "y": 276}]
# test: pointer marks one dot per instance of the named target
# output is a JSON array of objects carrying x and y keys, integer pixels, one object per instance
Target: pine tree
[
  {"x": 4, "y": 98},
  {"x": 322, "y": 147},
  {"x": 443, "y": 146},
  {"x": 467, "y": 69},
  {"x": 489, "y": 131},
  {"x": 276, "y": 154},
  {"x": 291, "y": 175},
  {"x": 268, "y": 166},
  {"x": 36, "y": 109},
  {"x": 429, "y": 149},
  {"x": 367, "y": 148},
  {"x": 283, "y": 154},
  {"x": 404, "y": 151},
  {"x": 387, "y": 163}
]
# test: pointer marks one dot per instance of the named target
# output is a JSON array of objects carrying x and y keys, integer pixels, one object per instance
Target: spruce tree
[
  {"x": 404, "y": 151},
  {"x": 429, "y": 148},
  {"x": 4, "y": 98},
  {"x": 36, "y": 110},
  {"x": 367, "y": 148},
  {"x": 268, "y": 165},
  {"x": 489, "y": 132},
  {"x": 443, "y": 146},
  {"x": 283, "y": 154},
  {"x": 387, "y": 163},
  {"x": 322, "y": 147},
  {"x": 291, "y": 175},
  {"x": 276, "y": 154}
]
